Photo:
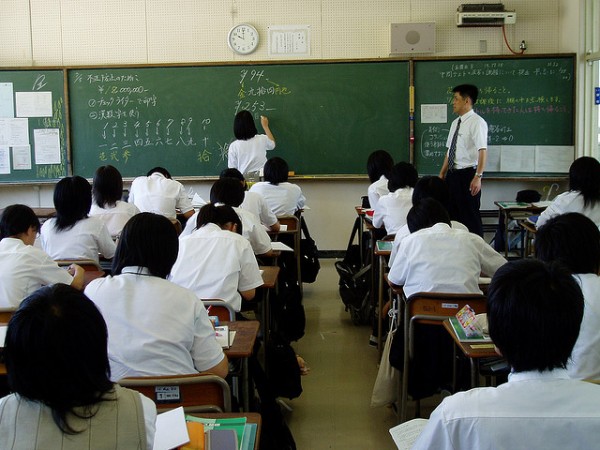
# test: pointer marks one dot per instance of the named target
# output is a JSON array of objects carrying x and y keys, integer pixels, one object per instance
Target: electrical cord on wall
[{"x": 522, "y": 46}]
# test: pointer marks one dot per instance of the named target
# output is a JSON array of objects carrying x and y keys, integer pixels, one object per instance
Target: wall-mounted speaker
[{"x": 412, "y": 38}]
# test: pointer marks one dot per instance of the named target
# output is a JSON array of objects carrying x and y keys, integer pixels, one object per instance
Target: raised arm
[{"x": 264, "y": 121}]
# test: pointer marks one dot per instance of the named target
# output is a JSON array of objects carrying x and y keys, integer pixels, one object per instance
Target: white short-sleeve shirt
[
  {"x": 377, "y": 190},
  {"x": 114, "y": 218},
  {"x": 160, "y": 195},
  {"x": 249, "y": 155},
  {"x": 443, "y": 259},
  {"x": 216, "y": 263},
  {"x": 23, "y": 270},
  {"x": 284, "y": 199},
  {"x": 155, "y": 327},
  {"x": 255, "y": 203},
  {"x": 85, "y": 240},
  {"x": 567, "y": 202},
  {"x": 392, "y": 209},
  {"x": 472, "y": 136}
]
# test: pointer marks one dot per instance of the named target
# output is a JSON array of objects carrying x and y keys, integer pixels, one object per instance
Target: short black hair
[
  {"x": 379, "y": 163},
  {"x": 17, "y": 219},
  {"x": 534, "y": 313},
  {"x": 147, "y": 240},
  {"x": 160, "y": 170},
  {"x": 72, "y": 200},
  {"x": 467, "y": 90},
  {"x": 276, "y": 170},
  {"x": 573, "y": 239},
  {"x": 232, "y": 173},
  {"x": 219, "y": 215},
  {"x": 244, "y": 127},
  {"x": 431, "y": 187},
  {"x": 107, "y": 188},
  {"x": 426, "y": 214},
  {"x": 584, "y": 176},
  {"x": 228, "y": 191},
  {"x": 402, "y": 175},
  {"x": 56, "y": 353}
]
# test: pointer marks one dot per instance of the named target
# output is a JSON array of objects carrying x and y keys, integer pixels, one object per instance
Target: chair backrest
[
  {"x": 292, "y": 223},
  {"x": 6, "y": 314},
  {"x": 224, "y": 311},
  {"x": 195, "y": 392},
  {"x": 293, "y": 228}
]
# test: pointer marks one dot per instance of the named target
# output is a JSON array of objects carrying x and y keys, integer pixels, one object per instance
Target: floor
[{"x": 334, "y": 410}]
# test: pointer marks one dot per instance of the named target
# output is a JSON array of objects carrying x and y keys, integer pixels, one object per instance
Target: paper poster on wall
[
  {"x": 21, "y": 156},
  {"x": 553, "y": 158},
  {"x": 7, "y": 106},
  {"x": 434, "y": 113},
  {"x": 289, "y": 40},
  {"x": 14, "y": 132},
  {"x": 34, "y": 104},
  {"x": 517, "y": 158},
  {"x": 47, "y": 146},
  {"x": 4, "y": 160},
  {"x": 492, "y": 162}
]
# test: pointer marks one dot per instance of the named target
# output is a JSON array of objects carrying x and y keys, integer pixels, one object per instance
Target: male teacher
[{"x": 465, "y": 160}]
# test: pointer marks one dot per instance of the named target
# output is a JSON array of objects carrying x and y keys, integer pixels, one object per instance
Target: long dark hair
[
  {"x": 72, "y": 200},
  {"x": 107, "y": 188},
  {"x": 584, "y": 176},
  {"x": 219, "y": 215},
  {"x": 244, "y": 127}
]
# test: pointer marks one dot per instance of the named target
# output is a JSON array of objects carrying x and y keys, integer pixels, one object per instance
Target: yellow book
[{"x": 196, "y": 432}]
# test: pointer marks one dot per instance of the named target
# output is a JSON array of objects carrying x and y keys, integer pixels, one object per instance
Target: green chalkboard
[
  {"x": 528, "y": 103},
  {"x": 326, "y": 117},
  {"x": 33, "y": 137}
]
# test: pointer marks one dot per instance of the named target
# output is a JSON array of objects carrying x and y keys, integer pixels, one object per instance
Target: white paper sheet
[
  {"x": 553, "y": 158},
  {"x": 492, "y": 163},
  {"x": 171, "y": 430},
  {"x": 517, "y": 158},
  {"x": 280, "y": 246},
  {"x": 34, "y": 104},
  {"x": 47, "y": 146},
  {"x": 7, "y": 105},
  {"x": 21, "y": 157},
  {"x": 434, "y": 113},
  {"x": 14, "y": 132},
  {"x": 4, "y": 160},
  {"x": 405, "y": 434}
]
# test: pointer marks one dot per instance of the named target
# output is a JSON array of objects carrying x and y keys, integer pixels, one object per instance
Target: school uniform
[
  {"x": 216, "y": 263},
  {"x": 154, "y": 326},
  {"x": 377, "y": 190},
  {"x": 392, "y": 209},
  {"x": 249, "y": 155},
  {"x": 116, "y": 217},
  {"x": 23, "y": 270},
  {"x": 85, "y": 240},
  {"x": 534, "y": 410},
  {"x": 585, "y": 358},
  {"x": 570, "y": 201},
  {"x": 284, "y": 199},
  {"x": 256, "y": 204},
  {"x": 160, "y": 195},
  {"x": 443, "y": 259}
]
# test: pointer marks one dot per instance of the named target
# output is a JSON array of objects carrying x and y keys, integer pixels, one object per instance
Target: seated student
[
  {"x": 253, "y": 202},
  {"x": 23, "y": 267},
  {"x": 427, "y": 187},
  {"x": 574, "y": 240},
  {"x": 158, "y": 193},
  {"x": 107, "y": 191},
  {"x": 392, "y": 208},
  {"x": 283, "y": 198},
  {"x": 155, "y": 327},
  {"x": 58, "y": 373},
  {"x": 534, "y": 313},
  {"x": 379, "y": 165},
  {"x": 215, "y": 261},
  {"x": 438, "y": 258},
  {"x": 228, "y": 191},
  {"x": 583, "y": 195},
  {"x": 72, "y": 234}
]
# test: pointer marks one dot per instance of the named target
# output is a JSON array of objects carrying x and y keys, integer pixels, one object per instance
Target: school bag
[{"x": 309, "y": 255}]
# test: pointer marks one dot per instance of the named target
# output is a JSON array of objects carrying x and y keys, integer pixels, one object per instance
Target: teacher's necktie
[{"x": 452, "y": 150}]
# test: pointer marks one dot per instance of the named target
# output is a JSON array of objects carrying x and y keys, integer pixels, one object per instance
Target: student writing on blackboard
[
  {"x": 465, "y": 160},
  {"x": 248, "y": 153}
]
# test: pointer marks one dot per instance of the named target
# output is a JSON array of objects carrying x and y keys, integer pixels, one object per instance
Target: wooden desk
[
  {"x": 472, "y": 350},
  {"x": 530, "y": 231},
  {"x": 251, "y": 418},
  {"x": 44, "y": 213},
  {"x": 515, "y": 211},
  {"x": 242, "y": 348}
]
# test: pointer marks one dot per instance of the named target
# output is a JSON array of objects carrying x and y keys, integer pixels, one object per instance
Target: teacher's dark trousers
[{"x": 464, "y": 207}]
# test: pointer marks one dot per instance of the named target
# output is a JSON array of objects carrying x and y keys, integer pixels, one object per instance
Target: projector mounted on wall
[
  {"x": 412, "y": 38},
  {"x": 484, "y": 15}
]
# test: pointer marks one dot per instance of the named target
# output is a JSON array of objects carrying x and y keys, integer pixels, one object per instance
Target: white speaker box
[{"x": 412, "y": 38}]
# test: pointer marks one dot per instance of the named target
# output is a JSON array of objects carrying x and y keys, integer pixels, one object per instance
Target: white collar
[
  {"x": 136, "y": 270},
  {"x": 555, "y": 374}
]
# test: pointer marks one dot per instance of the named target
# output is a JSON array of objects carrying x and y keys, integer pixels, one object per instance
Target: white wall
[{"x": 109, "y": 32}]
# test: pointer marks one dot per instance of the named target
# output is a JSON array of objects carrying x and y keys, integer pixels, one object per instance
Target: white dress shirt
[
  {"x": 472, "y": 136},
  {"x": 585, "y": 359},
  {"x": 443, "y": 259},
  {"x": 23, "y": 270},
  {"x": 255, "y": 203},
  {"x": 284, "y": 199},
  {"x": 216, "y": 263},
  {"x": 154, "y": 326},
  {"x": 85, "y": 240},
  {"x": 570, "y": 201},
  {"x": 392, "y": 209},
  {"x": 249, "y": 155},
  {"x": 115, "y": 218},
  {"x": 160, "y": 195},
  {"x": 532, "y": 411},
  {"x": 377, "y": 190}
]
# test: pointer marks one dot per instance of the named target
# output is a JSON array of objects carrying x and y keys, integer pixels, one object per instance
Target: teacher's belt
[{"x": 462, "y": 170}]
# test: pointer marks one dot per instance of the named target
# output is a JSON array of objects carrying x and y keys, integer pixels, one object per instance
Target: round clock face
[{"x": 243, "y": 39}]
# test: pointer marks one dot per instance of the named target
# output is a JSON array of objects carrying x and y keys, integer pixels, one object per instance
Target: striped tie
[{"x": 452, "y": 151}]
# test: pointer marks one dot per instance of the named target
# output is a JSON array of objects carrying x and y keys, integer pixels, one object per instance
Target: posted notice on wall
[
  {"x": 21, "y": 157},
  {"x": 7, "y": 106},
  {"x": 434, "y": 113},
  {"x": 4, "y": 160},
  {"x": 47, "y": 146},
  {"x": 14, "y": 132},
  {"x": 34, "y": 104}
]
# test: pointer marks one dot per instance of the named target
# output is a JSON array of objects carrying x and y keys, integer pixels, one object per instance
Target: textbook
[
  {"x": 514, "y": 205},
  {"x": 225, "y": 337},
  {"x": 462, "y": 335},
  {"x": 405, "y": 434},
  {"x": 384, "y": 246},
  {"x": 237, "y": 424}
]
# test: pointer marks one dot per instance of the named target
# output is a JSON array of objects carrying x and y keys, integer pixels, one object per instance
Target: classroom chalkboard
[
  {"x": 33, "y": 136},
  {"x": 528, "y": 103},
  {"x": 326, "y": 117}
]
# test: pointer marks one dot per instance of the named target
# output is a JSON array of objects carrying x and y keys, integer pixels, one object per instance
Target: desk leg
[
  {"x": 245, "y": 385},
  {"x": 474, "y": 377},
  {"x": 380, "y": 305},
  {"x": 506, "y": 221}
]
